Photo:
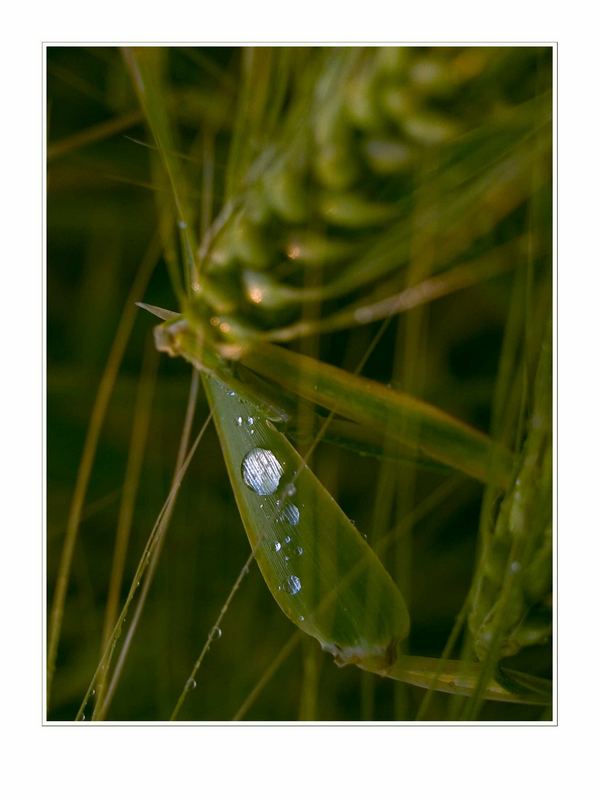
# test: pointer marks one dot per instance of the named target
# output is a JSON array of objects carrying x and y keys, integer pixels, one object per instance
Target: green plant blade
[
  {"x": 463, "y": 677},
  {"x": 317, "y": 566},
  {"x": 409, "y": 421}
]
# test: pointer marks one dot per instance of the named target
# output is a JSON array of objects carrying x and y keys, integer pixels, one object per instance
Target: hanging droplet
[
  {"x": 261, "y": 471},
  {"x": 287, "y": 539},
  {"x": 299, "y": 550},
  {"x": 191, "y": 684},
  {"x": 277, "y": 546},
  {"x": 239, "y": 422},
  {"x": 216, "y": 633}
]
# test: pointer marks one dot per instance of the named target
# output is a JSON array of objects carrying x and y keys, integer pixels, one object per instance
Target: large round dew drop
[{"x": 261, "y": 471}]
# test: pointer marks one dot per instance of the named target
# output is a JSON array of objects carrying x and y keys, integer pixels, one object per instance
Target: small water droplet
[
  {"x": 290, "y": 514},
  {"x": 292, "y": 584},
  {"x": 83, "y": 717},
  {"x": 182, "y": 224},
  {"x": 250, "y": 420},
  {"x": 287, "y": 558},
  {"x": 515, "y": 567},
  {"x": 290, "y": 490},
  {"x": 277, "y": 546},
  {"x": 230, "y": 393},
  {"x": 287, "y": 539},
  {"x": 299, "y": 550},
  {"x": 92, "y": 693},
  {"x": 190, "y": 685},
  {"x": 216, "y": 632},
  {"x": 239, "y": 421},
  {"x": 261, "y": 471},
  {"x": 301, "y": 618}
]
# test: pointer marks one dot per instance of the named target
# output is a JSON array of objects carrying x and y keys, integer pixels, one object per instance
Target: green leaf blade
[
  {"x": 317, "y": 566},
  {"x": 411, "y": 422}
]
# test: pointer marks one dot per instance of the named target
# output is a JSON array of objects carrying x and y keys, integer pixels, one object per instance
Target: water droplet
[
  {"x": 261, "y": 471},
  {"x": 277, "y": 546},
  {"x": 290, "y": 514},
  {"x": 83, "y": 717},
  {"x": 515, "y": 567},
  {"x": 216, "y": 633},
  {"x": 230, "y": 393},
  {"x": 290, "y": 490},
  {"x": 292, "y": 584},
  {"x": 182, "y": 224},
  {"x": 301, "y": 618},
  {"x": 287, "y": 539},
  {"x": 92, "y": 693},
  {"x": 250, "y": 420},
  {"x": 287, "y": 558},
  {"x": 299, "y": 550},
  {"x": 190, "y": 685},
  {"x": 239, "y": 421}
]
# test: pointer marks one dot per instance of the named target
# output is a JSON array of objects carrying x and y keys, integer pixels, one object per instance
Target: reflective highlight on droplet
[
  {"x": 292, "y": 584},
  {"x": 261, "y": 471},
  {"x": 291, "y": 514}
]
